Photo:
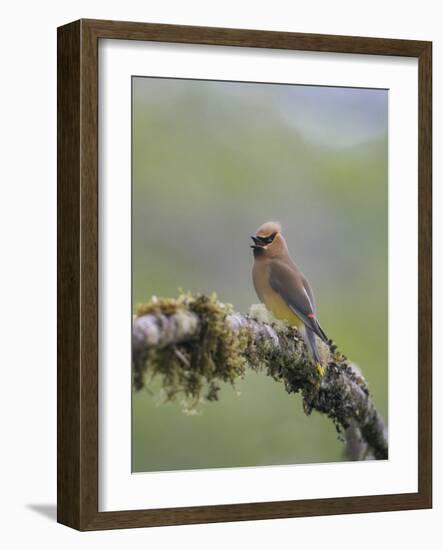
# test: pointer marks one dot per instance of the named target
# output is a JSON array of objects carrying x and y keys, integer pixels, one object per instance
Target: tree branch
[{"x": 195, "y": 343}]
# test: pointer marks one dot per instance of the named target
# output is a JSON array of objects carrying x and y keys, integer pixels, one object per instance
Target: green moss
[
  {"x": 196, "y": 369},
  {"x": 167, "y": 306}
]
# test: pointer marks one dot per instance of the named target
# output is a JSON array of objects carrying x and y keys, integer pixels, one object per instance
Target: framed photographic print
[{"x": 244, "y": 274}]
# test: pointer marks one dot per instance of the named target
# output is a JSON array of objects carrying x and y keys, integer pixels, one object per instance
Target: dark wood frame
[{"x": 77, "y": 428}]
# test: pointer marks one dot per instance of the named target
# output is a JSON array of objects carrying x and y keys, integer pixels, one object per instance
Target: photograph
[
  {"x": 259, "y": 274},
  {"x": 244, "y": 270}
]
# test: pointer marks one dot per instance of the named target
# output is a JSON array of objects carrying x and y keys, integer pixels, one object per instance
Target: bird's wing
[
  {"x": 310, "y": 293},
  {"x": 289, "y": 284}
]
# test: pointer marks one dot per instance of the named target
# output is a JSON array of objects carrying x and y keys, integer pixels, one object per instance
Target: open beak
[{"x": 257, "y": 242}]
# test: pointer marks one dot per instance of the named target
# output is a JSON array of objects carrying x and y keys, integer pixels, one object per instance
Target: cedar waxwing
[{"x": 282, "y": 287}]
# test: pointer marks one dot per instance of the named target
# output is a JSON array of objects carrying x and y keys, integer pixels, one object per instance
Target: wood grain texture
[
  {"x": 77, "y": 172},
  {"x": 425, "y": 274},
  {"x": 254, "y": 38},
  {"x": 89, "y": 275},
  {"x": 68, "y": 275}
]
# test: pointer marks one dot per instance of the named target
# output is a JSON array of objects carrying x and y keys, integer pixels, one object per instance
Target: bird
[{"x": 282, "y": 287}]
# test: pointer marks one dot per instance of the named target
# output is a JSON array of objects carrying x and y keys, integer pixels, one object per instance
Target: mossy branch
[{"x": 197, "y": 343}]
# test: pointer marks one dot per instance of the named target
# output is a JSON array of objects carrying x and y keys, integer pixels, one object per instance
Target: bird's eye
[{"x": 268, "y": 240}]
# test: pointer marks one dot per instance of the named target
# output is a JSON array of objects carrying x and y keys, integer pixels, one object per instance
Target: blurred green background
[{"x": 211, "y": 162}]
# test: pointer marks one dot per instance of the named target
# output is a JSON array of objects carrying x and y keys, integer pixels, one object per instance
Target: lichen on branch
[
  {"x": 197, "y": 348},
  {"x": 196, "y": 343}
]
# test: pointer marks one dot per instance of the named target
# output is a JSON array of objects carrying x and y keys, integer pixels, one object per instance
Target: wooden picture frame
[{"x": 77, "y": 457}]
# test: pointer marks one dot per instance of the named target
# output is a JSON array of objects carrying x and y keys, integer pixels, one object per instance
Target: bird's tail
[
  {"x": 309, "y": 337},
  {"x": 315, "y": 326}
]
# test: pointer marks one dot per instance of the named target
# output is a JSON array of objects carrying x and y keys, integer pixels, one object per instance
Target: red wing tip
[{"x": 311, "y": 315}]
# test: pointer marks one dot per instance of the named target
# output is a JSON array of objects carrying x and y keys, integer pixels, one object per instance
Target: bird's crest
[{"x": 268, "y": 228}]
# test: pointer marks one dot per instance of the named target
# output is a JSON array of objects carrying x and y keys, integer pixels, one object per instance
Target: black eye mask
[
  {"x": 267, "y": 240},
  {"x": 261, "y": 242}
]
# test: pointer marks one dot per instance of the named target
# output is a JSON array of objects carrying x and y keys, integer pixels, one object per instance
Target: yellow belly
[{"x": 280, "y": 310}]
